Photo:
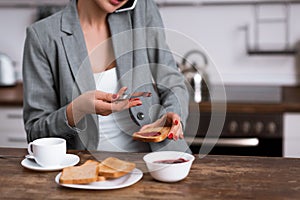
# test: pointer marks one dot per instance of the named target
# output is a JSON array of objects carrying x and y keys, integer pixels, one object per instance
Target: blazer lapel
[
  {"x": 75, "y": 49},
  {"x": 76, "y": 52},
  {"x": 122, "y": 40},
  {"x": 79, "y": 62}
]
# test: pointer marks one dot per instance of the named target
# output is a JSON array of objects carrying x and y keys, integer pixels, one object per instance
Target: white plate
[
  {"x": 124, "y": 181},
  {"x": 70, "y": 160}
]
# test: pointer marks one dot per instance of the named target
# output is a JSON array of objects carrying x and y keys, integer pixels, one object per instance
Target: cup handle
[{"x": 29, "y": 149}]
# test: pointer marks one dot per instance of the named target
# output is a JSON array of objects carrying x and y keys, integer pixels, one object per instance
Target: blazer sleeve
[
  {"x": 43, "y": 116},
  {"x": 169, "y": 81}
]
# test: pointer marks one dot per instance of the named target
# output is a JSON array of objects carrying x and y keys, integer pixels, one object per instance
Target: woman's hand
[
  {"x": 98, "y": 102},
  {"x": 170, "y": 119}
]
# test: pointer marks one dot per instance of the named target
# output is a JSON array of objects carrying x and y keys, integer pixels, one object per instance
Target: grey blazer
[{"x": 56, "y": 70}]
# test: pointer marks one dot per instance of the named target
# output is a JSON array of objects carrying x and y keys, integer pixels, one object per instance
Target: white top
[{"x": 115, "y": 130}]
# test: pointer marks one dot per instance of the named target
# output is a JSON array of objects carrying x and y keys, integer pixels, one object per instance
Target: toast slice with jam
[{"x": 156, "y": 134}]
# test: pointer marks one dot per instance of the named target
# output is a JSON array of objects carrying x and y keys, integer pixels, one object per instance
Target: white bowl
[{"x": 168, "y": 172}]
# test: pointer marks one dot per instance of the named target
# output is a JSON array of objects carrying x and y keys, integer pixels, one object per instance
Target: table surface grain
[{"x": 211, "y": 177}]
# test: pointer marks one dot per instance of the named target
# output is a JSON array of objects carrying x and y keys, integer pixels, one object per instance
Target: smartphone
[{"x": 130, "y": 5}]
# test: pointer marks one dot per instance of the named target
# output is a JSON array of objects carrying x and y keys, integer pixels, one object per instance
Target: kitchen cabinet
[
  {"x": 12, "y": 133},
  {"x": 291, "y": 135}
]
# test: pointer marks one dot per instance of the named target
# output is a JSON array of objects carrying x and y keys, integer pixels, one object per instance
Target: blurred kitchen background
[{"x": 251, "y": 44}]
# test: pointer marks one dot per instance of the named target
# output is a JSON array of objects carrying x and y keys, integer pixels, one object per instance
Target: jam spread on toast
[{"x": 150, "y": 134}]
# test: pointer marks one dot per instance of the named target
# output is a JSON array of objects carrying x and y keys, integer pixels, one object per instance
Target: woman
[{"x": 67, "y": 95}]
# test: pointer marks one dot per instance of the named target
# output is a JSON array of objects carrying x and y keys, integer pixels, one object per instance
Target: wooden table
[{"x": 212, "y": 177}]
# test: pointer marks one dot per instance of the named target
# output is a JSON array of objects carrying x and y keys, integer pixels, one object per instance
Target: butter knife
[{"x": 134, "y": 95}]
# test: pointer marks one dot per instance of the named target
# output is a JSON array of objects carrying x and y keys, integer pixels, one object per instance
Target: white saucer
[{"x": 70, "y": 160}]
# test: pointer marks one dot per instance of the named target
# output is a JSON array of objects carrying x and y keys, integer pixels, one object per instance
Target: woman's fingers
[
  {"x": 106, "y": 97},
  {"x": 109, "y": 97},
  {"x": 106, "y": 103},
  {"x": 145, "y": 127},
  {"x": 125, "y": 104},
  {"x": 134, "y": 102},
  {"x": 157, "y": 123},
  {"x": 98, "y": 102},
  {"x": 106, "y": 108},
  {"x": 173, "y": 120},
  {"x": 121, "y": 91},
  {"x": 178, "y": 130}
]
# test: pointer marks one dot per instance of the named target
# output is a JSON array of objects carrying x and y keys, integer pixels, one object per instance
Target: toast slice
[
  {"x": 100, "y": 178},
  {"x": 84, "y": 174},
  {"x": 113, "y": 167},
  {"x": 156, "y": 134}
]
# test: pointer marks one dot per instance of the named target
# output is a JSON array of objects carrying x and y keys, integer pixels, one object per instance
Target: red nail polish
[
  {"x": 170, "y": 136},
  {"x": 149, "y": 94},
  {"x": 114, "y": 96},
  {"x": 139, "y": 104},
  {"x": 176, "y": 122},
  {"x": 135, "y": 99}
]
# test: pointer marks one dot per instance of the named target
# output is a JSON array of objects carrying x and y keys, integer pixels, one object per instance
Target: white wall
[
  {"x": 15, "y": 16},
  {"x": 217, "y": 30},
  {"x": 13, "y": 23}
]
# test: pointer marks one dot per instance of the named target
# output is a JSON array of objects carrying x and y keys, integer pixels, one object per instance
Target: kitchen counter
[
  {"x": 212, "y": 177},
  {"x": 13, "y": 96},
  {"x": 290, "y": 102}
]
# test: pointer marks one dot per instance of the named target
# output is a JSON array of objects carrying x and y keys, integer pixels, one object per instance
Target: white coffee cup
[{"x": 48, "y": 152}]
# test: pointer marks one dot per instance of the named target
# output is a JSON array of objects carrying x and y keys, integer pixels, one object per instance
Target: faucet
[{"x": 196, "y": 75}]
